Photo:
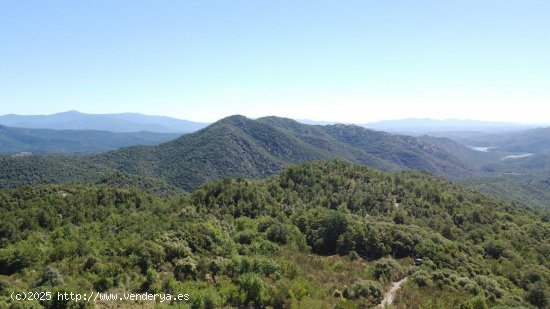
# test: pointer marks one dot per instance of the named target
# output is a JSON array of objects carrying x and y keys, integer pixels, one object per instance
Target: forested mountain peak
[{"x": 239, "y": 146}]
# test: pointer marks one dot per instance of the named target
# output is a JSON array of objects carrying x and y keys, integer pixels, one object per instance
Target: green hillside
[
  {"x": 529, "y": 190},
  {"x": 14, "y": 140},
  {"x": 55, "y": 169},
  {"x": 317, "y": 235},
  {"x": 238, "y": 146}
]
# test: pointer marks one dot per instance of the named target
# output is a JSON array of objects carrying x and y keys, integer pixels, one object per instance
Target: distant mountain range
[
  {"x": 134, "y": 122},
  {"x": 238, "y": 146},
  {"x": 14, "y": 140},
  {"x": 123, "y": 122},
  {"x": 425, "y": 126}
]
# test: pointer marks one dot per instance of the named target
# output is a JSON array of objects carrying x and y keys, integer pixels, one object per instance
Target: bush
[
  {"x": 90, "y": 262},
  {"x": 263, "y": 247},
  {"x": 353, "y": 255},
  {"x": 245, "y": 237},
  {"x": 51, "y": 276},
  {"x": 421, "y": 278},
  {"x": 388, "y": 269},
  {"x": 152, "y": 283},
  {"x": 495, "y": 248},
  {"x": 104, "y": 284},
  {"x": 264, "y": 223},
  {"x": 368, "y": 289},
  {"x": 185, "y": 269},
  {"x": 477, "y": 302},
  {"x": 252, "y": 288},
  {"x": 16, "y": 257},
  {"x": 538, "y": 294},
  {"x": 206, "y": 299},
  {"x": 491, "y": 287},
  {"x": 278, "y": 233},
  {"x": 3, "y": 285}
]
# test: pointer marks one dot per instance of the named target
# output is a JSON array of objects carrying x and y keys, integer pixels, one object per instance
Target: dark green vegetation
[
  {"x": 317, "y": 235},
  {"x": 237, "y": 146},
  {"x": 74, "y": 169},
  {"x": 14, "y": 140},
  {"x": 527, "y": 193}
]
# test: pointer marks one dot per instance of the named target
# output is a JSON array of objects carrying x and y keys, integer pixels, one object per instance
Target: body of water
[
  {"x": 482, "y": 149},
  {"x": 519, "y": 155}
]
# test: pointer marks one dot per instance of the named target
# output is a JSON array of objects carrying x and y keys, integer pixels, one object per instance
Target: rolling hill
[
  {"x": 238, "y": 146},
  {"x": 13, "y": 140}
]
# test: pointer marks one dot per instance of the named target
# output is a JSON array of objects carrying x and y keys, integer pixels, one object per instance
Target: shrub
[
  {"x": 388, "y": 269},
  {"x": 477, "y": 302},
  {"x": 264, "y": 223},
  {"x": 90, "y": 262},
  {"x": 353, "y": 255},
  {"x": 495, "y": 248},
  {"x": 368, "y": 289},
  {"x": 421, "y": 278},
  {"x": 206, "y": 299},
  {"x": 245, "y": 237},
  {"x": 152, "y": 283},
  {"x": 251, "y": 287},
  {"x": 491, "y": 287},
  {"x": 16, "y": 257},
  {"x": 278, "y": 233},
  {"x": 104, "y": 284},
  {"x": 538, "y": 294},
  {"x": 51, "y": 276},
  {"x": 186, "y": 268}
]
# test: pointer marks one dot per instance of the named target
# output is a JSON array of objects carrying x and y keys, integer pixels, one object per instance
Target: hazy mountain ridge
[
  {"x": 123, "y": 122},
  {"x": 426, "y": 125},
  {"x": 531, "y": 141}
]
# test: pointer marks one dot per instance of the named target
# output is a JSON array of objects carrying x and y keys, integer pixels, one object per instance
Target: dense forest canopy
[{"x": 319, "y": 234}]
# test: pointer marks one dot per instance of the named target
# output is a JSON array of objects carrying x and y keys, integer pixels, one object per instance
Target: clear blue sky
[{"x": 351, "y": 61}]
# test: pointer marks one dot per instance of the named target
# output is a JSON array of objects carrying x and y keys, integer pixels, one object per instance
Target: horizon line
[{"x": 502, "y": 122}]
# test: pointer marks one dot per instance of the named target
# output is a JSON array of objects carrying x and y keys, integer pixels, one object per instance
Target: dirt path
[{"x": 390, "y": 295}]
